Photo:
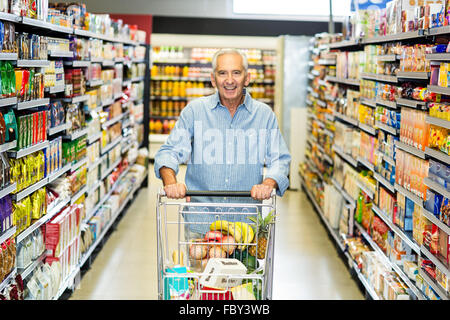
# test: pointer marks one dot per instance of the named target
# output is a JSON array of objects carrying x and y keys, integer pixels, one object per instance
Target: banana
[
  {"x": 247, "y": 233},
  {"x": 228, "y": 227}
]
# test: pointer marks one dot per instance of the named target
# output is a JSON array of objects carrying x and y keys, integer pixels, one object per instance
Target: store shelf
[
  {"x": 8, "y": 146},
  {"x": 352, "y": 82},
  {"x": 379, "y": 77},
  {"x": 77, "y": 134},
  {"x": 344, "y": 193},
  {"x": 78, "y": 63},
  {"x": 438, "y": 122},
  {"x": 433, "y": 284},
  {"x": 345, "y": 156},
  {"x": 411, "y": 103},
  {"x": 387, "y": 128},
  {"x": 7, "y": 190},
  {"x": 29, "y": 190},
  {"x": 7, "y": 234},
  {"x": 438, "y": 56},
  {"x": 366, "y": 163},
  {"x": 346, "y": 118},
  {"x": 55, "y": 89},
  {"x": 8, "y": 279},
  {"x": 437, "y": 262},
  {"x": 367, "y": 128},
  {"x": 32, "y": 63},
  {"x": 437, "y": 89},
  {"x": 110, "y": 145},
  {"x": 108, "y": 171},
  {"x": 25, "y": 272},
  {"x": 5, "y": 102},
  {"x": 78, "y": 195},
  {"x": 389, "y": 160},
  {"x": 57, "y": 129},
  {"x": 417, "y": 200},
  {"x": 412, "y": 150},
  {"x": 389, "y": 104},
  {"x": 75, "y": 166},
  {"x": 114, "y": 120},
  {"x": 55, "y": 175},
  {"x": 32, "y": 104},
  {"x": 94, "y": 83},
  {"x": 441, "y": 225},
  {"x": 384, "y": 182},
  {"x": 94, "y": 165},
  {"x": 361, "y": 185},
  {"x": 77, "y": 99},
  {"x": 326, "y": 62},
  {"x": 413, "y": 75},
  {"x": 439, "y": 155},
  {"x": 94, "y": 137},
  {"x": 388, "y": 57},
  {"x": 60, "y": 54},
  {"x": 384, "y": 216},
  {"x": 368, "y": 102},
  {"x": 29, "y": 150},
  {"x": 436, "y": 187}
]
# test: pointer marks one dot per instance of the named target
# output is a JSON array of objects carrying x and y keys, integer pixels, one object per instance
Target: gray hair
[{"x": 229, "y": 51}]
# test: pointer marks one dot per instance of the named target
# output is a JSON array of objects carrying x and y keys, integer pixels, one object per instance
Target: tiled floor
[{"x": 306, "y": 262}]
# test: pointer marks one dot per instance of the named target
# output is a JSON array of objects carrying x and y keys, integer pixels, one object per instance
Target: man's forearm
[{"x": 168, "y": 176}]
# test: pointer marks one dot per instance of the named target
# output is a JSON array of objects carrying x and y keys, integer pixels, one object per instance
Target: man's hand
[
  {"x": 263, "y": 191},
  {"x": 175, "y": 190}
]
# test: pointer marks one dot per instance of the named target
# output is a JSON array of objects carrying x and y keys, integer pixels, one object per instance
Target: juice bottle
[
  {"x": 185, "y": 72},
  {"x": 170, "y": 108},
  {"x": 154, "y": 71},
  {"x": 164, "y": 108},
  {"x": 152, "y": 126},
  {"x": 189, "y": 89},
  {"x": 182, "y": 89},
  {"x": 170, "y": 88},
  {"x": 163, "y": 88},
  {"x": 176, "y": 89}
]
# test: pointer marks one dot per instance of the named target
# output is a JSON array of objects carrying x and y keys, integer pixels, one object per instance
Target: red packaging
[{"x": 220, "y": 295}]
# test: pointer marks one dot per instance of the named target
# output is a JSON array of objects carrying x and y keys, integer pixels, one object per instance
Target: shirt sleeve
[
  {"x": 177, "y": 148},
  {"x": 278, "y": 158}
]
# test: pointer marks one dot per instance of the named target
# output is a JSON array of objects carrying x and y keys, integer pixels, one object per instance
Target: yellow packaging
[{"x": 442, "y": 81}]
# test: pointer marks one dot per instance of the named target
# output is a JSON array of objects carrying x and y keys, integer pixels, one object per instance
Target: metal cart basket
[{"x": 224, "y": 260}]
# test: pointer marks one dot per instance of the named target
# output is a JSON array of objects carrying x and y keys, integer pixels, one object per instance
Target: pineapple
[{"x": 261, "y": 234}]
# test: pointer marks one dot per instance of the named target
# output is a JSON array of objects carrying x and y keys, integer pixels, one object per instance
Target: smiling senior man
[{"x": 226, "y": 139}]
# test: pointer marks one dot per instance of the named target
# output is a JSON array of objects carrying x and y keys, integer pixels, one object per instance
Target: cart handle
[
  {"x": 223, "y": 193},
  {"x": 195, "y": 193}
]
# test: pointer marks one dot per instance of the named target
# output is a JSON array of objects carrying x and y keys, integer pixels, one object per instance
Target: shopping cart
[{"x": 223, "y": 263}]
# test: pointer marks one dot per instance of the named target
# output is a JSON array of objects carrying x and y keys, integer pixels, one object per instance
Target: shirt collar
[{"x": 248, "y": 101}]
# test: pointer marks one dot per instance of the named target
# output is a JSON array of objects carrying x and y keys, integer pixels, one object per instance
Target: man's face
[{"x": 230, "y": 77}]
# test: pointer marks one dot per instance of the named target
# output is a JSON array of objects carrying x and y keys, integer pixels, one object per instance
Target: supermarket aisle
[{"x": 306, "y": 263}]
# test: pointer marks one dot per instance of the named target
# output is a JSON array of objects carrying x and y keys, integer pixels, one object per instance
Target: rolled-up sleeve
[
  {"x": 177, "y": 148},
  {"x": 278, "y": 158}
]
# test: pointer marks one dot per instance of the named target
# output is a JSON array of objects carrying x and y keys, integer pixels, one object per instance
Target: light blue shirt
[{"x": 224, "y": 152}]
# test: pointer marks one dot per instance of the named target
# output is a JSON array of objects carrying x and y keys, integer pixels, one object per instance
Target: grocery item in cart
[{"x": 219, "y": 273}]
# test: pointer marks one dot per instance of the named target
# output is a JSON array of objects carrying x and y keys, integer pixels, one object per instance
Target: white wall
[
  {"x": 182, "y": 8},
  {"x": 216, "y": 41}
]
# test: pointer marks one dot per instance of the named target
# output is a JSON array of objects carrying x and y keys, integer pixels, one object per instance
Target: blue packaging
[{"x": 429, "y": 203}]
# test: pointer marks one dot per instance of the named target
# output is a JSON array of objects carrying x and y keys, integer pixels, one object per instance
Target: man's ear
[
  {"x": 213, "y": 80},
  {"x": 247, "y": 79}
]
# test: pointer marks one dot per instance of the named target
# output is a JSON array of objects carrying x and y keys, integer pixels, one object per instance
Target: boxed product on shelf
[
  {"x": 53, "y": 156},
  {"x": 29, "y": 209},
  {"x": 398, "y": 251},
  {"x": 75, "y": 83},
  {"x": 27, "y": 170},
  {"x": 6, "y": 214},
  {"x": 30, "y": 249},
  {"x": 57, "y": 114},
  {"x": 75, "y": 116},
  {"x": 332, "y": 205},
  {"x": 29, "y": 84},
  {"x": 32, "y": 46},
  {"x": 54, "y": 74},
  {"x": 77, "y": 179},
  {"x": 439, "y": 138},
  {"x": 79, "y": 47},
  {"x": 414, "y": 129},
  {"x": 74, "y": 150},
  {"x": 8, "y": 253},
  {"x": 387, "y": 202},
  {"x": 413, "y": 59},
  {"x": 410, "y": 172},
  {"x": 439, "y": 110}
]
